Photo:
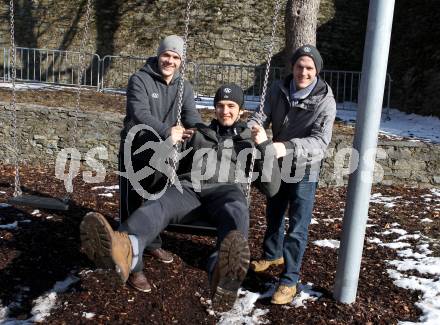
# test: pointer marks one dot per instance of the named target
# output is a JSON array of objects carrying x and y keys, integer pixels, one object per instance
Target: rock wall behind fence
[
  {"x": 43, "y": 132},
  {"x": 224, "y": 31}
]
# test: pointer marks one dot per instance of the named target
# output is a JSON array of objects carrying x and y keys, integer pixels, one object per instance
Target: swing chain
[
  {"x": 82, "y": 66},
  {"x": 183, "y": 70},
  {"x": 263, "y": 93},
  {"x": 181, "y": 88},
  {"x": 13, "y": 105}
]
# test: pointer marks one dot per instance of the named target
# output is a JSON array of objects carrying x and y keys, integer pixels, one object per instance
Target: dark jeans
[
  {"x": 301, "y": 197},
  {"x": 223, "y": 206}
]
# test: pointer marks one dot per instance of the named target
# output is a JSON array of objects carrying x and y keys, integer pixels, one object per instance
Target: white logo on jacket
[{"x": 155, "y": 95}]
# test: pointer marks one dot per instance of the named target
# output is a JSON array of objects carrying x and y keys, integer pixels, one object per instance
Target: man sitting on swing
[
  {"x": 213, "y": 175},
  {"x": 152, "y": 96}
]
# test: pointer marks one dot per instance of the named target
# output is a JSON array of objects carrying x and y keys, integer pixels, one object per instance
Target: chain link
[
  {"x": 82, "y": 66},
  {"x": 263, "y": 93},
  {"x": 13, "y": 105},
  {"x": 183, "y": 69},
  {"x": 181, "y": 88}
]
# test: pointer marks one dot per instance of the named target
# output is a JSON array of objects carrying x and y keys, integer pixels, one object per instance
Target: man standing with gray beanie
[
  {"x": 152, "y": 100},
  {"x": 301, "y": 110}
]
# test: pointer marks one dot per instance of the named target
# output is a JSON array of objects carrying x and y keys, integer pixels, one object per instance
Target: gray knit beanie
[
  {"x": 171, "y": 43},
  {"x": 310, "y": 51}
]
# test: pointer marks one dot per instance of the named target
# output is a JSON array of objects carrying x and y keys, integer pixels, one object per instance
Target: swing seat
[
  {"x": 197, "y": 227},
  {"x": 195, "y": 223},
  {"x": 40, "y": 202}
]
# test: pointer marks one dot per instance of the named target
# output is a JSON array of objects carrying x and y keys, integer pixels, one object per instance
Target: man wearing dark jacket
[
  {"x": 213, "y": 176},
  {"x": 152, "y": 100},
  {"x": 301, "y": 110}
]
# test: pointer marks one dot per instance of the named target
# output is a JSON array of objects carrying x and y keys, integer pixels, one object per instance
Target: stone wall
[
  {"x": 220, "y": 30},
  {"x": 44, "y": 132},
  {"x": 225, "y": 31}
]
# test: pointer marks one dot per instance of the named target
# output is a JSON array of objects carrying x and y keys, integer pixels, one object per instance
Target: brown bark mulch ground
[{"x": 45, "y": 248}]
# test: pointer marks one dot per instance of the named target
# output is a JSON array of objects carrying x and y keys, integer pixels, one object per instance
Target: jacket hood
[{"x": 151, "y": 67}]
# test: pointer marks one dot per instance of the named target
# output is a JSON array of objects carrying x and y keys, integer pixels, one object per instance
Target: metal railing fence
[
  {"x": 50, "y": 66},
  {"x": 346, "y": 86},
  {"x": 117, "y": 69},
  {"x": 112, "y": 72},
  {"x": 249, "y": 77}
]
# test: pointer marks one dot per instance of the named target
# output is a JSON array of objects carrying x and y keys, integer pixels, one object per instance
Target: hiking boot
[
  {"x": 283, "y": 295},
  {"x": 230, "y": 270},
  {"x": 263, "y": 265},
  {"x": 138, "y": 281},
  {"x": 107, "y": 248},
  {"x": 161, "y": 254}
]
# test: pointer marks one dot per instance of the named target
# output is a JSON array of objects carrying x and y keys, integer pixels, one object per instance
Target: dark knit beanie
[
  {"x": 310, "y": 51},
  {"x": 229, "y": 92}
]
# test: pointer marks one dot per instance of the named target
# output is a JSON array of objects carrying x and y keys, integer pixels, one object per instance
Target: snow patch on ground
[
  {"x": 387, "y": 201},
  {"x": 10, "y": 226},
  {"x": 3, "y": 314},
  {"x": 244, "y": 311},
  {"x": 395, "y": 231},
  {"x": 419, "y": 261},
  {"x": 430, "y": 300},
  {"x": 332, "y": 243},
  {"x": 424, "y": 265},
  {"x": 106, "y": 188},
  {"x": 404, "y": 237},
  {"x": 43, "y": 304},
  {"x": 401, "y": 124},
  {"x": 374, "y": 240},
  {"x": 395, "y": 245},
  {"x": 435, "y": 192},
  {"x": 88, "y": 315},
  {"x": 306, "y": 293},
  {"x": 106, "y": 194}
]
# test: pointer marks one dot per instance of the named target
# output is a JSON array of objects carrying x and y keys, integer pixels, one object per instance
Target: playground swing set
[{"x": 62, "y": 204}]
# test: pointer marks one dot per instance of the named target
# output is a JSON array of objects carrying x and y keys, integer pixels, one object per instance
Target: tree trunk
[{"x": 300, "y": 24}]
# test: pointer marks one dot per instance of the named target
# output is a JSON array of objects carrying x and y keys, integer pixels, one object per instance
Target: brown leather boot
[
  {"x": 230, "y": 270},
  {"x": 160, "y": 254},
  {"x": 263, "y": 265},
  {"x": 284, "y": 295},
  {"x": 138, "y": 281},
  {"x": 104, "y": 246}
]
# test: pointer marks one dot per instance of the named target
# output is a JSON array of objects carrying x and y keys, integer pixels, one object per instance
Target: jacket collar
[
  {"x": 319, "y": 91},
  {"x": 241, "y": 131}
]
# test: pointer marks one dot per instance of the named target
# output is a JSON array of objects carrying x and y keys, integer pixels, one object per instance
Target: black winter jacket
[{"x": 215, "y": 159}]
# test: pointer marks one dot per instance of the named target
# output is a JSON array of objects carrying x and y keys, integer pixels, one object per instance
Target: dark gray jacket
[
  {"x": 226, "y": 161},
  {"x": 305, "y": 128},
  {"x": 153, "y": 102}
]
